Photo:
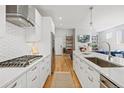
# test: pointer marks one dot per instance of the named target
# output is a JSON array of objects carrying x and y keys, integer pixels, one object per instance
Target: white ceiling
[
  {"x": 72, "y": 15},
  {"x": 104, "y": 16}
]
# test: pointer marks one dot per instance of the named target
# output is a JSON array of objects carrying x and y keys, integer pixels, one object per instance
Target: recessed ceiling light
[
  {"x": 61, "y": 24},
  {"x": 60, "y": 18}
]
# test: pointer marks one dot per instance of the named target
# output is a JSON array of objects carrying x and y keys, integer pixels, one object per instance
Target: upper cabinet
[
  {"x": 2, "y": 20},
  {"x": 48, "y": 27},
  {"x": 31, "y": 14},
  {"x": 37, "y": 18},
  {"x": 34, "y": 33}
]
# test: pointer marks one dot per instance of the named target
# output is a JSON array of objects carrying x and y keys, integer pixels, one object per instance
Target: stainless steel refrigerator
[{"x": 53, "y": 53}]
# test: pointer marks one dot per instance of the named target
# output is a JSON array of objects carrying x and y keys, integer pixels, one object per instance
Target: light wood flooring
[{"x": 63, "y": 64}]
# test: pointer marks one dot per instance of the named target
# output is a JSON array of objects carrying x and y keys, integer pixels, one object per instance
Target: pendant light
[
  {"x": 91, "y": 18},
  {"x": 94, "y": 38}
]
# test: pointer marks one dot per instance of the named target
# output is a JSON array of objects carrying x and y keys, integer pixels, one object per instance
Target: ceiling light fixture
[
  {"x": 91, "y": 18},
  {"x": 61, "y": 24},
  {"x": 60, "y": 18}
]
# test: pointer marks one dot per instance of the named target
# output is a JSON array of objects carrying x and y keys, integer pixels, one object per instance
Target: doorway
[
  {"x": 59, "y": 46},
  {"x": 64, "y": 41}
]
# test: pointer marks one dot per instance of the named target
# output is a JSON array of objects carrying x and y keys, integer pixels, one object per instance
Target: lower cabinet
[
  {"x": 93, "y": 77},
  {"x": 45, "y": 69},
  {"x": 35, "y": 77},
  {"x": 19, "y": 83},
  {"x": 88, "y": 76}
]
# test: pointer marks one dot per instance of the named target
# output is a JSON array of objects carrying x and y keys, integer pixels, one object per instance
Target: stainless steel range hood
[{"x": 20, "y": 15}]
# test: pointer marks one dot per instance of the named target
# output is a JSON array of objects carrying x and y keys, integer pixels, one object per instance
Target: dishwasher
[{"x": 106, "y": 83}]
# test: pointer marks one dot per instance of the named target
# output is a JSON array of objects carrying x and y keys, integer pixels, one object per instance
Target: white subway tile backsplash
[{"x": 13, "y": 43}]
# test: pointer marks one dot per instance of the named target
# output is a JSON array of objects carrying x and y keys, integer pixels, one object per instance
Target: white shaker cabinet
[
  {"x": 2, "y": 20},
  {"x": 88, "y": 76},
  {"x": 93, "y": 77},
  {"x": 45, "y": 69},
  {"x": 82, "y": 73},
  {"x": 37, "y": 75},
  {"x": 19, "y": 83},
  {"x": 42, "y": 73},
  {"x": 46, "y": 34},
  {"x": 33, "y": 77},
  {"x": 33, "y": 34}
]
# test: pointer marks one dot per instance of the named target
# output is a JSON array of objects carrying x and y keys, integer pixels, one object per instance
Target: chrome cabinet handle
[
  {"x": 34, "y": 78},
  {"x": 43, "y": 68},
  {"x": 91, "y": 69},
  {"x": 81, "y": 68},
  {"x": 47, "y": 70},
  {"x": 81, "y": 60},
  {"x": 43, "y": 60},
  {"x": 34, "y": 68},
  {"x": 14, "y": 85},
  {"x": 91, "y": 79}
]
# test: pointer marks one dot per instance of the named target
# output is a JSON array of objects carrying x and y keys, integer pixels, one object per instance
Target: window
[
  {"x": 122, "y": 36},
  {"x": 109, "y": 35}
]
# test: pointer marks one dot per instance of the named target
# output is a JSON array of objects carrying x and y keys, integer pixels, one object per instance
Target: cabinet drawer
[
  {"x": 88, "y": 76},
  {"x": 91, "y": 71},
  {"x": 19, "y": 83},
  {"x": 33, "y": 77},
  {"x": 15, "y": 84},
  {"x": 92, "y": 82},
  {"x": 33, "y": 71}
]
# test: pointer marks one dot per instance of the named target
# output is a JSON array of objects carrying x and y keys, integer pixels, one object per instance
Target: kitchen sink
[{"x": 101, "y": 62}]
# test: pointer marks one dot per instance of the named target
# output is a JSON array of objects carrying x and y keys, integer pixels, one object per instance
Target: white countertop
[
  {"x": 115, "y": 74},
  {"x": 9, "y": 75}
]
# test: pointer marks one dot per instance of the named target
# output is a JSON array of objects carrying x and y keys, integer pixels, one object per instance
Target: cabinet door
[
  {"x": 48, "y": 65},
  {"x": 38, "y": 26},
  {"x": 88, "y": 76},
  {"x": 34, "y": 33},
  {"x": 90, "y": 81},
  {"x": 74, "y": 61},
  {"x": 94, "y": 77},
  {"x": 45, "y": 70},
  {"x": 77, "y": 68},
  {"x": 31, "y": 14},
  {"x": 2, "y": 20},
  {"x": 19, "y": 83},
  {"x": 37, "y": 17},
  {"x": 42, "y": 72},
  {"x": 33, "y": 78}
]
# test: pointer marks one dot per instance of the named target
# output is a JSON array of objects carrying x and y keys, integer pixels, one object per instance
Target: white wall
[
  {"x": 116, "y": 41},
  {"x": 62, "y": 33}
]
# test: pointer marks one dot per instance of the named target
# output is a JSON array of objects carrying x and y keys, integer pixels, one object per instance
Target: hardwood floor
[{"x": 63, "y": 64}]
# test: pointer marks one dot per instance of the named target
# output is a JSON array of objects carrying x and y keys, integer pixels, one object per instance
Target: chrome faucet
[{"x": 109, "y": 55}]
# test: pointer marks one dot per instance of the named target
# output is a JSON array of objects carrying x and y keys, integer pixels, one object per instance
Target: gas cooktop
[{"x": 23, "y": 61}]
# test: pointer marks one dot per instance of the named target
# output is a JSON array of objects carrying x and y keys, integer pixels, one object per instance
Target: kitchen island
[{"x": 89, "y": 73}]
